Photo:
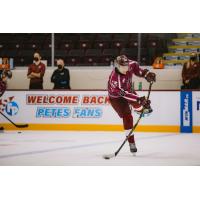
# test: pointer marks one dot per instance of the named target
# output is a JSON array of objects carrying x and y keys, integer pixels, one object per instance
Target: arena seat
[
  {"x": 101, "y": 45},
  {"x": 26, "y": 53},
  {"x": 121, "y": 37},
  {"x": 76, "y": 48},
  {"x": 66, "y": 45},
  {"x": 111, "y": 52},
  {"x": 92, "y": 56},
  {"x": 75, "y": 56},
  {"x": 181, "y": 49},
  {"x": 93, "y": 52},
  {"x": 87, "y": 37},
  {"x": 60, "y": 53},
  {"x": 85, "y": 45},
  {"x": 12, "y": 53},
  {"x": 73, "y": 61},
  {"x": 130, "y": 52},
  {"x": 104, "y": 37},
  {"x": 76, "y": 53}
]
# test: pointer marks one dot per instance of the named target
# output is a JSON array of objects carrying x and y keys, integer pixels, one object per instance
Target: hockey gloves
[
  {"x": 150, "y": 77},
  {"x": 144, "y": 102},
  {"x": 147, "y": 110}
]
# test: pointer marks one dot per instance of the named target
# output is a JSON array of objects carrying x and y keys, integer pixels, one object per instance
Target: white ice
[{"x": 87, "y": 148}]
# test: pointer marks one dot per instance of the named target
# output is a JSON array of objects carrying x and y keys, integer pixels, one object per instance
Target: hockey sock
[
  {"x": 128, "y": 122},
  {"x": 131, "y": 139}
]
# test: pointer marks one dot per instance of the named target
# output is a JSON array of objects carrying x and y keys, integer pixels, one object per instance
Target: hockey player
[
  {"x": 120, "y": 94},
  {"x": 4, "y": 75}
]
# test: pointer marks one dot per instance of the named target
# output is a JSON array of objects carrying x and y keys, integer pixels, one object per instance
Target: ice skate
[{"x": 133, "y": 148}]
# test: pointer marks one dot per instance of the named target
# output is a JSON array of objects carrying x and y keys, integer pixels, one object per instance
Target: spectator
[
  {"x": 61, "y": 76},
  {"x": 191, "y": 73},
  {"x": 4, "y": 75},
  {"x": 36, "y": 72}
]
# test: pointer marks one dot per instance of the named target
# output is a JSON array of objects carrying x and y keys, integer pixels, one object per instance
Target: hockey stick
[
  {"x": 17, "y": 125},
  {"x": 108, "y": 156}
]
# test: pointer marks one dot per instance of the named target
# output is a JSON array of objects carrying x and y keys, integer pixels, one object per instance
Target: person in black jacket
[{"x": 61, "y": 76}]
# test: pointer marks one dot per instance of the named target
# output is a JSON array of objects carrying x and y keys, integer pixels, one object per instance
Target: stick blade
[
  {"x": 21, "y": 125},
  {"x": 108, "y": 156}
]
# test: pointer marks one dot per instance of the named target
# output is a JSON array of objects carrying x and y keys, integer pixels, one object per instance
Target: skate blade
[{"x": 134, "y": 154}]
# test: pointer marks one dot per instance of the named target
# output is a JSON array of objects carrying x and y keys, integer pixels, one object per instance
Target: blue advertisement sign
[{"x": 186, "y": 112}]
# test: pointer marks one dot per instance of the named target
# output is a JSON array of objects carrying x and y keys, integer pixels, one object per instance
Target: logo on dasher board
[
  {"x": 12, "y": 108},
  {"x": 186, "y": 112},
  {"x": 198, "y": 105}
]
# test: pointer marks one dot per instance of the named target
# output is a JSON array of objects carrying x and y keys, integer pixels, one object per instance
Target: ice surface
[{"x": 87, "y": 148}]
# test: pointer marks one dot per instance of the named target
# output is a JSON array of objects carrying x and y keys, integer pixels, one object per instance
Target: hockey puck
[
  {"x": 19, "y": 132},
  {"x": 106, "y": 157}
]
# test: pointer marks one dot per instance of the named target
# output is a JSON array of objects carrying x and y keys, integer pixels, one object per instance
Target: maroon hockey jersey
[
  {"x": 2, "y": 87},
  {"x": 120, "y": 85},
  {"x": 2, "y": 84}
]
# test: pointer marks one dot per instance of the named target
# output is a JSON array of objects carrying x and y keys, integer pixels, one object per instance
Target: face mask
[
  {"x": 59, "y": 66},
  {"x": 36, "y": 59}
]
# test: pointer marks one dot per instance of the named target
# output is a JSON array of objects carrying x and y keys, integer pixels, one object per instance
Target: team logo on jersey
[{"x": 113, "y": 84}]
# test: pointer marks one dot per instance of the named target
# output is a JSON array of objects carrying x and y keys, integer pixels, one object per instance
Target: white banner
[{"x": 83, "y": 107}]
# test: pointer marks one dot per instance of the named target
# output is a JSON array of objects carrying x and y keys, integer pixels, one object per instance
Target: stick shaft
[{"x": 17, "y": 125}]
